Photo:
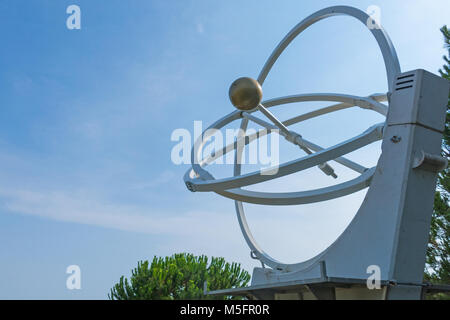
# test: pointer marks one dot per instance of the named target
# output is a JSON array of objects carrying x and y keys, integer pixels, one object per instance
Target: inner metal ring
[{"x": 392, "y": 69}]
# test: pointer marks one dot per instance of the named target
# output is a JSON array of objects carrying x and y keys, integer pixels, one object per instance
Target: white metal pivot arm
[{"x": 296, "y": 139}]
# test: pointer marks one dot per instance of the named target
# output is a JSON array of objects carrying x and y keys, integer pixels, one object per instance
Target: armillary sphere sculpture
[{"x": 390, "y": 230}]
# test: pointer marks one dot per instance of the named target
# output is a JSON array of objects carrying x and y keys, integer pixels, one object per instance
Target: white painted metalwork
[
  {"x": 198, "y": 179},
  {"x": 406, "y": 170}
]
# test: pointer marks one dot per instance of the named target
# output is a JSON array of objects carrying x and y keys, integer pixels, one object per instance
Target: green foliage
[
  {"x": 438, "y": 252},
  {"x": 180, "y": 276}
]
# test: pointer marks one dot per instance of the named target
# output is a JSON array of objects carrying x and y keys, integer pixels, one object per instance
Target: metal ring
[{"x": 392, "y": 69}]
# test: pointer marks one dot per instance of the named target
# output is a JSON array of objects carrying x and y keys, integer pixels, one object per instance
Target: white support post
[{"x": 416, "y": 119}]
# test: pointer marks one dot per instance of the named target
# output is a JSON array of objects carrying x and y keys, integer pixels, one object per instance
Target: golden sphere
[{"x": 245, "y": 93}]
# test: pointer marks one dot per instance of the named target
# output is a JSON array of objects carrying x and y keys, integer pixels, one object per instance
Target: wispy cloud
[
  {"x": 81, "y": 208},
  {"x": 163, "y": 178},
  {"x": 275, "y": 228}
]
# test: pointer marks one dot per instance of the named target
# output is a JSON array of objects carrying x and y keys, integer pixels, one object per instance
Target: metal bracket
[{"x": 430, "y": 162}]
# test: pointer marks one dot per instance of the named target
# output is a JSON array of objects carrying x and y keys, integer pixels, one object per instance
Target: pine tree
[
  {"x": 180, "y": 276},
  {"x": 437, "y": 269}
]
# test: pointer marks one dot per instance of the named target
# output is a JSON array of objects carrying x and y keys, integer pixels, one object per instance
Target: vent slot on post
[{"x": 404, "y": 82}]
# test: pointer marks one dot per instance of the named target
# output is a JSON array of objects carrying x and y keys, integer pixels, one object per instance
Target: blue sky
[{"x": 86, "y": 118}]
